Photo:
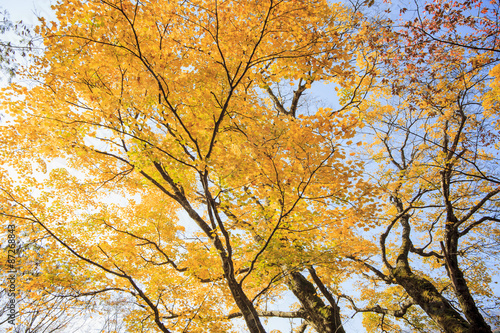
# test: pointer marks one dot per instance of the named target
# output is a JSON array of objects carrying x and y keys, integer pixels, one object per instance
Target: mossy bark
[
  {"x": 425, "y": 294},
  {"x": 323, "y": 318}
]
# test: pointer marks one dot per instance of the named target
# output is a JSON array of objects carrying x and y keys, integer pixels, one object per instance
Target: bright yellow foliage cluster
[{"x": 158, "y": 108}]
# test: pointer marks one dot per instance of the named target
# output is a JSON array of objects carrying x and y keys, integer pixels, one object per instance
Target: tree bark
[
  {"x": 462, "y": 291},
  {"x": 323, "y": 318},
  {"x": 425, "y": 294},
  {"x": 450, "y": 250},
  {"x": 245, "y": 305}
]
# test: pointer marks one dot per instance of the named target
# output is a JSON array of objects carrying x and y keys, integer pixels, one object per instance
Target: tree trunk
[
  {"x": 462, "y": 291},
  {"x": 246, "y": 307},
  {"x": 425, "y": 294},
  {"x": 323, "y": 318},
  {"x": 244, "y": 304}
]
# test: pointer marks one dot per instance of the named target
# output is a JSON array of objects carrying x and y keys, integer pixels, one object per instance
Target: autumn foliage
[{"x": 166, "y": 163}]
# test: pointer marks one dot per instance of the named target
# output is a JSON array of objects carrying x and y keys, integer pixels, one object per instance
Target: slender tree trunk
[
  {"x": 245, "y": 305},
  {"x": 450, "y": 247},
  {"x": 462, "y": 291}
]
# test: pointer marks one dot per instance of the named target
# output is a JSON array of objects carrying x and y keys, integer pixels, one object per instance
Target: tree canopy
[{"x": 165, "y": 162}]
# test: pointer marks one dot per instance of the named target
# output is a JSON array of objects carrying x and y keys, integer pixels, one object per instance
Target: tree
[
  {"x": 436, "y": 139},
  {"x": 166, "y": 160},
  {"x": 163, "y": 105}
]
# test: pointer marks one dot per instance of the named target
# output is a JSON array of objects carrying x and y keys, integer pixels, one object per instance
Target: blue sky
[{"x": 26, "y": 10}]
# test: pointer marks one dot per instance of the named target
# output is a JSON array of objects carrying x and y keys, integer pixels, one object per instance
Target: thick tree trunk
[
  {"x": 323, "y": 318},
  {"x": 425, "y": 294}
]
